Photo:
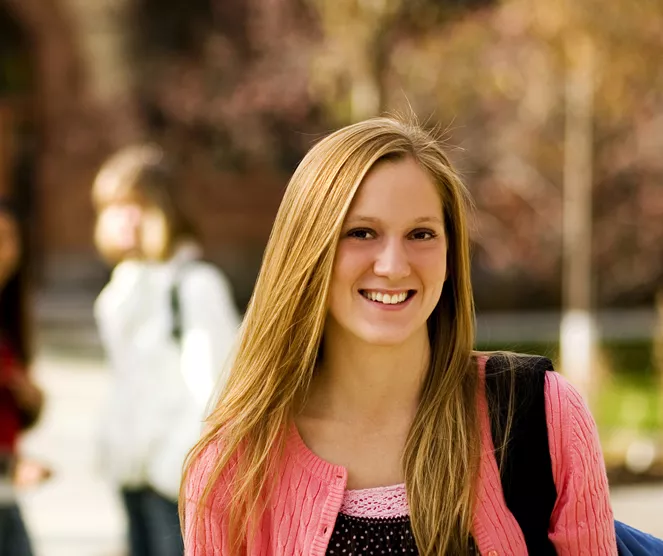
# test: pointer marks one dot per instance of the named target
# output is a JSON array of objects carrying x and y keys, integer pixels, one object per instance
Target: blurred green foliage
[{"x": 629, "y": 396}]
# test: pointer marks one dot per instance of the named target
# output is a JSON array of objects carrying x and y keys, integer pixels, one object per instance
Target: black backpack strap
[
  {"x": 175, "y": 312},
  {"x": 527, "y": 479},
  {"x": 175, "y": 303}
]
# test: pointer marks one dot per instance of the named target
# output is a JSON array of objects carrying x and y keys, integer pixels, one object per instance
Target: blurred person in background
[
  {"x": 167, "y": 322},
  {"x": 20, "y": 399}
]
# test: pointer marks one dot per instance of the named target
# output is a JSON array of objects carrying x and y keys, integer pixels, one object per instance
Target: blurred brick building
[
  {"x": 65, "y": 103},
  {"x": 240, "y": 89}
]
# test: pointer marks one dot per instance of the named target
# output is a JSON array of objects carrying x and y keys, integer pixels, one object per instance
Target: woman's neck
[{"x": 362, "y": 382}]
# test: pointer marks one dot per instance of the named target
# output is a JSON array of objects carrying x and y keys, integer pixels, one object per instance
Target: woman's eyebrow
[
  {"x": 360, "y": 218},
  {"x": 435, "y": 219},
  {"x": 371, "y": 219}
]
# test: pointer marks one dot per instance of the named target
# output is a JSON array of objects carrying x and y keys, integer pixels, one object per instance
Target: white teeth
[{"x": 386, "y": 298}]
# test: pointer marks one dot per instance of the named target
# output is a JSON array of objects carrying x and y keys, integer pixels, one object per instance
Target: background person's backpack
[
  {"x": 175, "y": 303},
  {"x": 527, "y": 479},
  {"x": 176, "y": 311}
]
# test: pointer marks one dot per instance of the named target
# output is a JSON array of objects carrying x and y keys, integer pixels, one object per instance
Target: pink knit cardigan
[{"x": 301, "y": 517}]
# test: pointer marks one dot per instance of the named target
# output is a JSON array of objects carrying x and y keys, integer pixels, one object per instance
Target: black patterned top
[{"x": 374, "y": 521}]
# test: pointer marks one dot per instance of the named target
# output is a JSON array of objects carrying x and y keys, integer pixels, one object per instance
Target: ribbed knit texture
[
  {"x": 579, "y": 474},
  {"x": 301, "y": 517}
]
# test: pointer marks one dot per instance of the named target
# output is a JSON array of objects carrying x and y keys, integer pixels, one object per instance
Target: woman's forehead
[
  {"x": 123, "y": 198},
  {"x": 400, "y": 189}
]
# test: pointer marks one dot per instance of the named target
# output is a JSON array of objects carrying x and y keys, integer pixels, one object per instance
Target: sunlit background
[{"x": 552, "y": 109}]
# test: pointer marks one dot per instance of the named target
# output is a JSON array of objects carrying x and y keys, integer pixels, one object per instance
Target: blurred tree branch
[{"x": 251, "y": 83}]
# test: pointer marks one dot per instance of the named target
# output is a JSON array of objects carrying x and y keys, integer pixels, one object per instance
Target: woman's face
[
  {"x": 390, "y": 264},
  {"x": 10, "y": 248},
  {"x": 118, "y": 229},
  {"x": 133, "y": 229}
]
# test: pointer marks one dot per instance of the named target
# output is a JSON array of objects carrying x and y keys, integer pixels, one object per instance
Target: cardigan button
[{"x": 492, "y": 553}]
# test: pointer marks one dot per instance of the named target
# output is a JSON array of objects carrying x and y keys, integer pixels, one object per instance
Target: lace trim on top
[{"x": 379, "y": 502}]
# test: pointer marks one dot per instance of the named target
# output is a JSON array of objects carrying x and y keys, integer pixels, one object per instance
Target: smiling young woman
[{"x": 355, "y": 417}]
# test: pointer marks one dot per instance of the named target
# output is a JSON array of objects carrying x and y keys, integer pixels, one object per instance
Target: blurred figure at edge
[{"x": 20, "y": 399}]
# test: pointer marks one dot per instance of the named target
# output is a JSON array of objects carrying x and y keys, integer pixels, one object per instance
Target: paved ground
[{"x": 77, "y": 514}]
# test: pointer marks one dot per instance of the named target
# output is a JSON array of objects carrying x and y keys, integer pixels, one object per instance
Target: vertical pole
[{"x": 578, "y": 330}]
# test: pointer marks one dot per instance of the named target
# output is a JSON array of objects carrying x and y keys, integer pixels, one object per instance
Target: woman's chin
[{"x": 382, "y": 337}]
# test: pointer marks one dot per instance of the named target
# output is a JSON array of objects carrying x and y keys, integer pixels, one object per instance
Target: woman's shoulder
[
  {"x": 508, "y": 373},
  {"x": 573, "y": 437},
  {"x": 125, "y": 275},
  {"x": 201, "y": 285},
  {"x": 572, "y": 431},
  {"x": 203, "y": 463},
  {"x": 127, "y": 280},
  {"x": 130, "y": 269},
  {"x": 525, "y": 364},
  {"x": 203, "y": 469},
  {"x": 535, "y": 376},
  {"x": 561, "y": 396},
  {"x": 201, "y": 274},
  {"x": 570, "y": 421}
]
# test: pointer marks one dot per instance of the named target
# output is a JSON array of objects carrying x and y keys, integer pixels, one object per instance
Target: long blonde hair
[{"x": 283, "y": 327}]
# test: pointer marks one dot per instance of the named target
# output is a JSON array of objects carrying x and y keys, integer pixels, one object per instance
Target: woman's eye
[
  {"x": 361, "y": 233},
  {"x": 423, "y": 234}
]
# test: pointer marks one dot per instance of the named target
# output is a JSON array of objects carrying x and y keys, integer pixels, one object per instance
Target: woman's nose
[{"x": 392, "y": 261}]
